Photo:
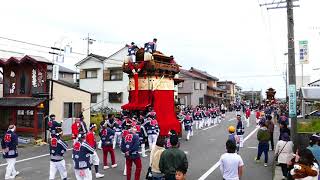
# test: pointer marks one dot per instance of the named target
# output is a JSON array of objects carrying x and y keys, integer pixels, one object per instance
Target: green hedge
[
  {"x": 311, "y": 126},
  {"x": 96, "y": 119}
]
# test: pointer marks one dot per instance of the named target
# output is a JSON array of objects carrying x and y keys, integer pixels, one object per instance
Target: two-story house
[
  {"x": 192, "y": 91},
  {"x": 29, "y": 96},
  {"x": 238, "y": 94},
  {"x": 65, "y": 74},
  {"x": 230, "y": 88},
  {"x": 104, "y": 78},
  {"x": 214, "y": 94}
]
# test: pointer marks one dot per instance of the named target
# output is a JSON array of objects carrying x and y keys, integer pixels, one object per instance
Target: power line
[
  {"x": 254, "y": 76},
  {"x": 38, "y": 45}
]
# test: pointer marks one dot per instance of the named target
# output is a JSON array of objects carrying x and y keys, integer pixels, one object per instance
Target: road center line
[
  {"x": 217, "y": 164},
  {"x": 28, "y": 159}
]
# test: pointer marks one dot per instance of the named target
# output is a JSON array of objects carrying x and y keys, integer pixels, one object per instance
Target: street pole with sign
[{"x": 303, "y": 56}]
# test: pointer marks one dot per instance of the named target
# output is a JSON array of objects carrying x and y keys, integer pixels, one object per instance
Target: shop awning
[
  {"x": 20, "y": 102},
  {"x": 310, "y": 93}
]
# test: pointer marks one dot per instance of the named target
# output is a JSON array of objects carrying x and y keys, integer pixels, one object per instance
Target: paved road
[{"x": 203, "y": 151}]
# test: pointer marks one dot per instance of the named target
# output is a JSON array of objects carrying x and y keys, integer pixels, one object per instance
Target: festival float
[{"x": 151, "y": 84}]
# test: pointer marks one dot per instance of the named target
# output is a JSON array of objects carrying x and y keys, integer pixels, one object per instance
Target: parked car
[{"x": 313, "y": 114}]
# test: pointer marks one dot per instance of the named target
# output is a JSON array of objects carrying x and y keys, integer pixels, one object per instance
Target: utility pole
[
  {"x": 252, "y": 95},
  {"x": 291, "y": 63},
  {"x": 89, "y": 41},
  {"x": 286, "y": 76}
]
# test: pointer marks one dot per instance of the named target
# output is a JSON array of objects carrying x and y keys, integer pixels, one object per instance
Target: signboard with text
[
  {"x": 55, "y": 72},
  {"x": 303, "y": 52},
  {"x": 292, "y": 100}
]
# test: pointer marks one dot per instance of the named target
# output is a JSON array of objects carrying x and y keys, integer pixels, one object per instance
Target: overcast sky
[{"x": 232, "y": 40}]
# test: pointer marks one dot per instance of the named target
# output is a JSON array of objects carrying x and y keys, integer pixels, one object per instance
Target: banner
[
  {"x": 292, "y": 100},
  {"x": 55, "y": 72},
  {"x": 303, "y": 52}
]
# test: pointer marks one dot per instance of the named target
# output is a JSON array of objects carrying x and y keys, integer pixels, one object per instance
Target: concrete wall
[
  {"x": 67, "y": 77},
  {"x": 62, "y": 94},
  {"x": 186, "y": 98},
  {"x": 116, "y": 86},
  {"x": 188, "y": 87},
  {"x": 93, "y": 85}
]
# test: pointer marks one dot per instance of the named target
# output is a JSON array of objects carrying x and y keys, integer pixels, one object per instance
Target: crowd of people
[
  {"x": 302, "y": 164},
  {"x": 135, "y": 134}
]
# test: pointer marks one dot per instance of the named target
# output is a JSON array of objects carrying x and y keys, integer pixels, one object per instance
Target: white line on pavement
[
  {"x": 252, "y": 147},
  {"x": 231, "y": 119},
  {"x": 217, "y": 164},
  {"x": 214, "y": 167},
  {"x": 27, "y": 159},
  {"x": 209, "y": 127}
]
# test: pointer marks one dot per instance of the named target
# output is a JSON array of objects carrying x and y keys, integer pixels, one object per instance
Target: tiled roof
[
  {"x": 20, "y": 102},
  {"x": 190, "y": 74},
  {"x": 100, "y": 58},
  {"x": 216, "y": 88},
  {"x": 19, "y": 60},
  {"x": 204, "y": 73},
  {"x": 70, "y": 85},
  {"x": 63, "y": 69}
]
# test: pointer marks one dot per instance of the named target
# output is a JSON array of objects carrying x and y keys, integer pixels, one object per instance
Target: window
[
  {"x": 62, "y": 75},
  {"x": 71, "y": 110},
  {"x": 181, "y": 101},
  {"x": 222, "y": 87},
  {"x": 25, "y": 118},
  {"x": 180, "y": 85},
  {"x": 202, "y": 86},
  {"x": 201, "y": 100},
  {"x": 116, "y": 74},
  {"x": 91, "y": 73},
  {"x": 196, "y": 86},
  {"x": 94, "y": 98},
  {"x": 115, "y": 97}
]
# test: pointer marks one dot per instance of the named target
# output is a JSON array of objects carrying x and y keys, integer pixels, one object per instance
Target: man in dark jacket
[
  {"x": 57, "y": 149},
  {"x": 284, "y": 129},
  {"x": 240, "y": 130},
  {"x": 9, "y": 145},
  {"x": 172, "y": 158},
  {"x": 130, "y": 146},
  {"x": 270, "y": 126}
]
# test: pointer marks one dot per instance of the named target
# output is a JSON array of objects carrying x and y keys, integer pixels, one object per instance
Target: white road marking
[
  {"x": 232, "y": 119},
  {"x": 214, "y": 167},
  {"x": 252, "y": 147},
  {"x": 28, "y": 159},
  {"x": 217, "y": 164},
  {"x": 209, "y": 127}
]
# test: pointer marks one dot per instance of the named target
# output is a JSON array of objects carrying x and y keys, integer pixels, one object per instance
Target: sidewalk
[{"x": 277, "y": 173}]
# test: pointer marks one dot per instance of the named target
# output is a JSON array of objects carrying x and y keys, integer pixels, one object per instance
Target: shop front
[{"x": 26, "y": 113}]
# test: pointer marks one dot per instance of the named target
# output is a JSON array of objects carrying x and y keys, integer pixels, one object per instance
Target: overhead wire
[
  {"x": 270, "y": 41},
  {"x": 34, "y": 44}
]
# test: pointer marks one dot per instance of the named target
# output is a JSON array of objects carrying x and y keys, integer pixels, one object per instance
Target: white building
[{"x": 104, "y": 78}]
